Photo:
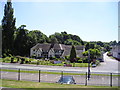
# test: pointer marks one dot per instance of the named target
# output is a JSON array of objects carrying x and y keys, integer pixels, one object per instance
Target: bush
[
  {"x": 97, "y": 62},
  {"x": 67, "y": 57},
  {"x": 109, "y": 54},
  {"x": 85, "y": 60},
  {"x": 7, "y": 59},
  {"x": 80, "y": 61}
]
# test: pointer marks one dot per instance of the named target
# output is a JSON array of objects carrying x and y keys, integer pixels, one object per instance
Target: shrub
[
  {"x": 85, "y": 60},
  {"x": 7, "y": 59},
  {"x": 67, "y": 57},
  {"x": 97, "y": 62}
]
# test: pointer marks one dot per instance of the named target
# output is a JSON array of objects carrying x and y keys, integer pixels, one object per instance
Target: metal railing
[{"x": 81, "y": 78}]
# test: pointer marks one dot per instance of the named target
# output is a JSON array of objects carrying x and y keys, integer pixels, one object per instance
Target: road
[
  {"x": 95, "y": 80},
  {"x": 108, "y": 66}
]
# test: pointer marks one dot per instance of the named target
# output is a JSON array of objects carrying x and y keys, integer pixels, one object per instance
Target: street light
[{"x": 88, "y": 64}]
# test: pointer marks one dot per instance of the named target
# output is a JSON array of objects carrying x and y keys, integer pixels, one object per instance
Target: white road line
[{"x": 4, "y": 72}]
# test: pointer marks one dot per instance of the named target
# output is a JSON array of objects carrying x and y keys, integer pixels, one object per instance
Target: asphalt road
[
  {"x": 108, "y": 66},
  {"x": 52, "y": 78}
]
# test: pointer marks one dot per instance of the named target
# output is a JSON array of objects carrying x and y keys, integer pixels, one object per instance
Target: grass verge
[
  {"x": 29, "y": 71},
  {"x": 29, "y": 84}
]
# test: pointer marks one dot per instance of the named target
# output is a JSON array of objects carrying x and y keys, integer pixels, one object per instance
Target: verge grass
[
  {"x": 47, "y": 72},
  {"x": 29, "y": 84}
]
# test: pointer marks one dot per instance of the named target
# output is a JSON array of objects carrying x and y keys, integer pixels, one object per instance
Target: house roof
[
  {"x": 78, "y": 47},
  {"x": 44, "y": 47},
  {"x": 66, "y": 48},
  {"x": 58, "y": 46}
]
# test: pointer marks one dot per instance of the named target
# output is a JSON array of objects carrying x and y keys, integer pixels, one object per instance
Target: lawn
[
  {"x": 33, "y": 85},
  {"x": 44, "y": 62}
]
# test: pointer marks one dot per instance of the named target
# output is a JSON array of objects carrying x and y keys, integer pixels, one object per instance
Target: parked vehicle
[
  {"x": 93, "y": 65},
  {"x": 66, "y": 80},
  {"x": 101, "y": 60}
]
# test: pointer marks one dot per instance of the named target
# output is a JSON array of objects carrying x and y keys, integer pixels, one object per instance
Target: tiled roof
[
  {"x": 66, "y": 48},
  {"x": 45, "y": 47},
  {"x": 78, "y": 47}
]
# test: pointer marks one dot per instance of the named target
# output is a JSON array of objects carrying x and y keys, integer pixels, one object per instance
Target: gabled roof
[
  {"x": 44, "y": 47},
  {"x": 66, "y": 48},
  {"x": 58, "y": 46},
  {"x": 78, "y": 47}
]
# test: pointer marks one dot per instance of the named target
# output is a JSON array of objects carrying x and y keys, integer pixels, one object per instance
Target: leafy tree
[
  {"x": 72, "y": 54},
  {"x": 107, "y": 47},
  {"x": 94, "y": 53},
  {"x": 0, "y": 40},
  {"x": 87, "y": 46},
  {"x": 38, "y": 37},
  {"x": 54, "y": 41},
  {"x": 91, "y": 46},
  {"x": 112, "y": 43},
  {"x": 98, "y": 47},
  {"x": 8, "y": 25},
  {"x": 21, "y": 41},
  {"x": 118, "y": 42},
  {"x": 72, "y": 42},
  {"x": 100, "y": 43},
  {"x": 68, "y": 39}
]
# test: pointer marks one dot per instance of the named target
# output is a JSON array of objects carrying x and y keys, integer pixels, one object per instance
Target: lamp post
[{"x": 88, "y": 64}]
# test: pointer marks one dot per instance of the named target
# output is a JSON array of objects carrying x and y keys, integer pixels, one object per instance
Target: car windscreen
[{"x": 65, "y": 79}]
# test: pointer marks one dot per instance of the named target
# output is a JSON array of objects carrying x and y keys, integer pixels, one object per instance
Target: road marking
[
  {"x": 32, "y": 74},
  {"x": 4, "y": 72}
]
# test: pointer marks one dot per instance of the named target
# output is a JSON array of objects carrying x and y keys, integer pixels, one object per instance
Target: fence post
[
  {"x": 39, "y": 74},
  {"x": 61, "y": 73},
  {"x": 111, "y": 79},
  {"x": 86, "y": 79},
  {"x": 18, "y": 74},
  {"x": 0, "y": 74}
]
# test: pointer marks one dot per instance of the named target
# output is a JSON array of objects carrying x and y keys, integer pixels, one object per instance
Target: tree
[
  {"x": 38, "y": 37},
  {"x": 8, "y": 25},
  {"x": 107, "y": 47},
  {"x": 118, "y": 42},
  {"x": 94, "y": 53},
  {"x": 91, "y": 46},
  {"x": 100, "y": 43},
  {"x": 112, "y": 43},
  {"x": 21, "y": 41},
  {"x": 72, "y": 54},
  {"x": 0, "y": 40},
  {"x": 87, "y": 46}
]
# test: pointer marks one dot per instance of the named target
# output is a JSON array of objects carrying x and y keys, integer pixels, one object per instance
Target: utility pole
[{"x": 88, "y": 64}]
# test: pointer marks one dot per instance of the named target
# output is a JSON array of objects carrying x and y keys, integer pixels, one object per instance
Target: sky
[{"x": 92, "y": 21}]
